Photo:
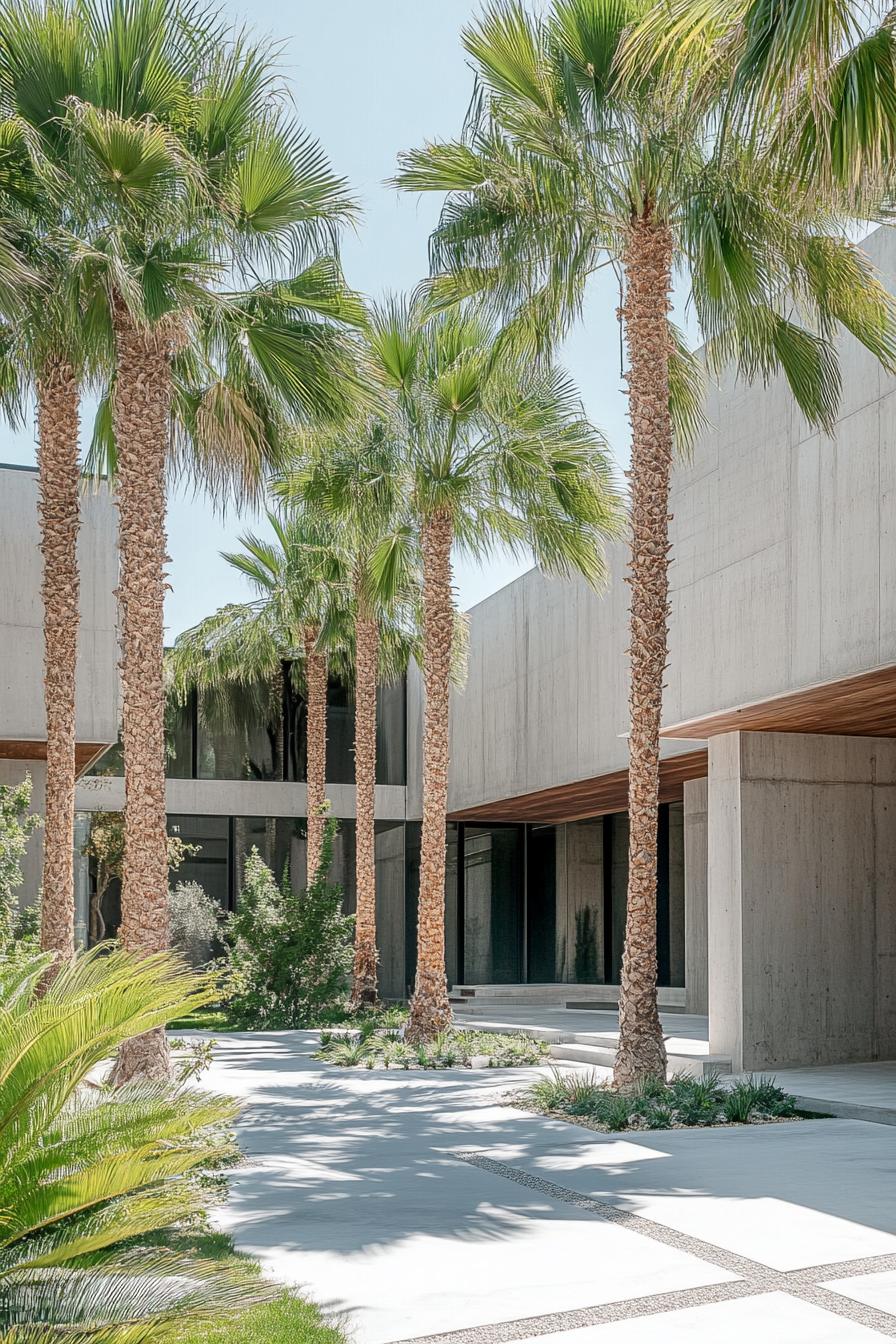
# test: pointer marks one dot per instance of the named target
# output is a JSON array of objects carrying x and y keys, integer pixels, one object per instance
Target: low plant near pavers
[
  {"x": 682, "y": 1103},
  {"x": 376, "y": 1047}
]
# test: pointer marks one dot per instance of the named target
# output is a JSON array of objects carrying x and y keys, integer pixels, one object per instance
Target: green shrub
[
  {"x": 17, "y": 824},
  {"x": 683, "y": 1102},
  {"x": 195, "y": 921},
  {"x": 291, "y": 952},
  {"x": 87, "y": 1175}
]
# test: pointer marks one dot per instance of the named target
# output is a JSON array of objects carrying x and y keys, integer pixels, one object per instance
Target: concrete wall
[
  {"x": 696, "y": 971},
  {"x": 802, "y": 899},
  {"x": 21, "y": 614},
  {"x": 783, "y": 574}
]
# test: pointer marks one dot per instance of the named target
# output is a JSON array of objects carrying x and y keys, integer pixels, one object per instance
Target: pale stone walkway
[{"x": 417, "y": 1206}]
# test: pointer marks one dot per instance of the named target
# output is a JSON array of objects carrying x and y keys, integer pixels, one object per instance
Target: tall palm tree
[
  {"x": 177, "y": 167},
  {"x": 354, "y": 476},
  {"x": 493, "y": 452},
  {"x": 301, "y": 579},
  {"x": 569, "y": 162},
  {"x": 43, "y": 356}
]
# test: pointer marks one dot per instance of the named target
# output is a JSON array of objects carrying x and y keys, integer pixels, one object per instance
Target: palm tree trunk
[
  {"x": 316, "y": 771},
  {"x": 58, "y": 507},
  {"x": 364, "y": 987},
  {"x": 141, "y": 412},
  {"x": 648, "y": 274},
  {"x": 430, "y": 1011}
]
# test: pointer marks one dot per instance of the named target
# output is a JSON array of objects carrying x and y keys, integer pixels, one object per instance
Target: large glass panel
[
  {"x": 210, "y": 865},
  {"x": 391, "y": 750},
  {"x": 179, "y": 726},
  {"x": 240, "y": 733},
  {"x": 340, "y": 735},
  {"x": 411, "y": 893},
  {"x": 541, "y": 904},
  {"x": 493, "y": 904},
  {"x": 390, "y": 735},
  {"x": 282, "y": 844},
  {"x": 580, "y": 913},
  {"x": 390, "y": 908},
  {"x": 669, "y": 892},
  {"x": 453, "y": 928}
]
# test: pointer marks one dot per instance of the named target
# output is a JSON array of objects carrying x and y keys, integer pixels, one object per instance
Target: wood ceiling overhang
[
  {"x": 859, "y": 706},
  {"x": 23, "y": 749},
  {"x": 587, "y": 797}
]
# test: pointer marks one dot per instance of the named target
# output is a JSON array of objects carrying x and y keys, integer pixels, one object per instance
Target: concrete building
[
  {"x": 777, "y": 900},
  {"x": 23, "y": 745}
]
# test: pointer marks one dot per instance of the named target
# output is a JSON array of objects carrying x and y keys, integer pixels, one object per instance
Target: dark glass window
[
  {"x": 240, "y": 733},
  {"x": 493, "y": 904},
  {"x": 180, "y": 741},
  {"x": 390, "y": 734},
  {"x": 541, "y": 907},
  {"x": 210, "y": 866}
]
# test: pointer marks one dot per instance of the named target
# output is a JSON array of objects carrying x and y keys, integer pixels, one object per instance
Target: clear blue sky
[{"x": 369, "y": 79}]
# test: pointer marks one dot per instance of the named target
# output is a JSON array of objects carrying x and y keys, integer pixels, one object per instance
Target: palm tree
[
  {"x": 176, "y": 167},
  {"x": 353, "y": 475},
  {"x": 301, "y": 580},
  {"x": 569, "y": 163},
  {"x": 492, "y": 453},
  {"x": 42, "y": 354}
]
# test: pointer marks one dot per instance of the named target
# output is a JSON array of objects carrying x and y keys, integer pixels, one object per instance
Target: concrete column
[
  {"x": 802, "y": 899},
  {"x": 695, "y": 952}
]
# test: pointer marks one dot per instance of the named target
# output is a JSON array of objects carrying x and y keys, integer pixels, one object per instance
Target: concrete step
[
  {"x": 604, "y": 1056},
  {"x": 594, "y": 997}
]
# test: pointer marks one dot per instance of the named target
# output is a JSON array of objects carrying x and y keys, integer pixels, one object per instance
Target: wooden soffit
[
  {"x": 587, "y": 797},
  {"x": 21, "y": 749},
  {"x": 860, "y": 706}
]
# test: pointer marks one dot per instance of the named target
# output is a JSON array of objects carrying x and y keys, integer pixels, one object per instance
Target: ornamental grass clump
[
  {"x": 373, "y": 1047},
  {"x": 682, "y": 1103}
]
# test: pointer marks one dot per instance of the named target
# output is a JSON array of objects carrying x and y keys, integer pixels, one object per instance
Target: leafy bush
[
  {"x": 383, "y": 1048},
  {"x": 86, "y": 1175},
  {"x": 683, "y": 1102},
  {"x": 195, "y": 925},
  {"x": 17, "y": 824},
  {"x": 291, "y": 952}
]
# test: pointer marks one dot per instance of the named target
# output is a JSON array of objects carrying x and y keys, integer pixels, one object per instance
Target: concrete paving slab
[
  {"x": 775, "y": 1318},
  {"x": 875, "y": 1290},
  {"x": 789, "y": 1195},
  {"x": 851, "y": 1091}
]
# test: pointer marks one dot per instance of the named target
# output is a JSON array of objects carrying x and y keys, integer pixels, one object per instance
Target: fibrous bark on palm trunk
[
  {"x": 430, "y": 1011},
  {"x": 58, "y": 509},
  {"x": 141, "y": 411},
  {"x": 364, "y": 987},
  {"x": 648, "y": 268},
  {"x": 316, "y": 755}
]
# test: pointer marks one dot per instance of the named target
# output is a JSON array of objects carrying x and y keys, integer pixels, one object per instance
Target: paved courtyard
[{"x": 419, "y": 1206}]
